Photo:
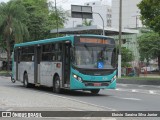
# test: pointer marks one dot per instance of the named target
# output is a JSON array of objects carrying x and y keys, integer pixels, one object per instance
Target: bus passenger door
[
  {"x": 37, "y": 60},
  {"x": 17, "y": 62},
  {"x": 66, "y": 64}
]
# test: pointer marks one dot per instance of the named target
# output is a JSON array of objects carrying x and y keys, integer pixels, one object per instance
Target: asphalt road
[
  {"x": 13, "y": 96},
  {"x": 126, "y": 97}
]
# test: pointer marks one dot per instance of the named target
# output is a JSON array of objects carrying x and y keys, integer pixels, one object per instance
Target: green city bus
[{"x": 76, "y": 62}]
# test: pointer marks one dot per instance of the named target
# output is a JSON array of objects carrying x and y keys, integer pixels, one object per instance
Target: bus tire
[
  {"x": 25, "y": 80},
  {"x": 13, "y": 80},
  {"x": 56, "y": 85},
  {"x": 95, "y": 91}
]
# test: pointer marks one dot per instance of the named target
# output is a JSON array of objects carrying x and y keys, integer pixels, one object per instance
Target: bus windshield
[{"x": 94, "y": 57}]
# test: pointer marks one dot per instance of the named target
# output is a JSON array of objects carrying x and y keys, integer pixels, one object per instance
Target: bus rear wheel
[
  {"x": 95, "y": 91},
  {"x": 25, "y": 80},
  {"x": 56, "y": 85}
]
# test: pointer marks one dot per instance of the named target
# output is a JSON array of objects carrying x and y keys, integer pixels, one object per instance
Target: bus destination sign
[{"x": 94, "y": 40}]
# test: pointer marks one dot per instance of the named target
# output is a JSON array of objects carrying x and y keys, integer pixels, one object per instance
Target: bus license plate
[{"x": 97, "y": 84}]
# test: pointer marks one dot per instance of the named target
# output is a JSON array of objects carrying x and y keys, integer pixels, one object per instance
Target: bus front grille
[{"x": 96, "y": 83}]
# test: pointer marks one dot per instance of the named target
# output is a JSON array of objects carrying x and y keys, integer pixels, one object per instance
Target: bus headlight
[
  {"x": 113, "y": 78},
  {"x": 80, "y": 79},
  {"x": 77, "y": 77}
]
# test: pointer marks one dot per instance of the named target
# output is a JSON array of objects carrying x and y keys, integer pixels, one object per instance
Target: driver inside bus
[{"x": 101, "y": 56}]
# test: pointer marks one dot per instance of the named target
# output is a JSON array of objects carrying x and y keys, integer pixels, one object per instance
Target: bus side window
[
  {"x": 59, "y": 58},
  {"x": 56, "y": 47},
  {"x": 54, "y": 57},
  {"x": 27, "y": 53},
  {"x": 32, "y": 57}
]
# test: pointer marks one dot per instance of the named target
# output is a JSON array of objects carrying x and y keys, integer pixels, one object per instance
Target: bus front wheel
[
  {"x": 95, "y": 91},
  {"x": 56, "y": 85}
]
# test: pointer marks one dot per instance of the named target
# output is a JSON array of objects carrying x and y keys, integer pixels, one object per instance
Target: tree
[
  {"x": 42, "y": 18},
  {"x": 150, "y": 14},
  {"x": 12, "y": 27},
  {"x": 87, "y": 23},
  {"x": 149, "y": 46},
  {"x": 127, "y": 56}
]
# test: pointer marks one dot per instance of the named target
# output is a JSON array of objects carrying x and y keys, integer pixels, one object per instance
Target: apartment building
[{"x": 130, "y": 14}]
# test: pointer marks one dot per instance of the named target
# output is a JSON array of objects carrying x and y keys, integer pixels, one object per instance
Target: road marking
[
  {"x": 134, "y": 90},
  {"x": 131, "y": 98},
  {"x": 116, "y": 89},
  {"x": 151, "y": 92},
  {"x": 124, "y": 85},
  {"x": 121, "y": 84},
  {"x": 154, "y": 86},
  {"x": 127, "y": 98}
]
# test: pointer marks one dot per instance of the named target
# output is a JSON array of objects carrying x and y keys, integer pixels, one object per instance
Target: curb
[
  {"x": 5, "y": 74},
  {"x": 139, "y": 82}
]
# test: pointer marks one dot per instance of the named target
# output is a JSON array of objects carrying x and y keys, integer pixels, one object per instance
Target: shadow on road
[{"x": 63, "y": 91}]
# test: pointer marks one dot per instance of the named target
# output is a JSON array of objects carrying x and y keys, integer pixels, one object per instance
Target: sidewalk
[
  {"x": 143, "y": 79},
  {"x": 150, "y": 75},
  {"x": 14, "y": 97}
]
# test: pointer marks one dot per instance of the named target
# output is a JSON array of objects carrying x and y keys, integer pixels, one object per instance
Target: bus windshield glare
[{"x": 94, "y": 57}]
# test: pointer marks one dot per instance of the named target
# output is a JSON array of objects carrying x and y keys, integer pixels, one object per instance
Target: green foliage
[
  {"x": 87, "y": 23},
  {"x": 149, "y": 45},
  {"x": 150, "y": 14},
  {"x": 12, "y": 25},
  {"x": 42, "y": 18},
  {"x": 127, "y": 56}
]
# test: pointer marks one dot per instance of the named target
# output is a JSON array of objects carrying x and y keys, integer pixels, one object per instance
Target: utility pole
[
  {"x": 120, "y": 35},
  {"x": 56, "y": 17}
]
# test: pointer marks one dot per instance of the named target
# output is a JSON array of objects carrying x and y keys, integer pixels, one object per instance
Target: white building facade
[{"x": 130, "y": 14}]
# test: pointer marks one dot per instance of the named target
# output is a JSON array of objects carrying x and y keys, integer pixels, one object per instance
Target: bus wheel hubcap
[{"x": 57, "y": 85}]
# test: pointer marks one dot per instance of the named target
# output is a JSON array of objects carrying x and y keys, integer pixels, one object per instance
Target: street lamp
[{"x": 102, "y": 21}]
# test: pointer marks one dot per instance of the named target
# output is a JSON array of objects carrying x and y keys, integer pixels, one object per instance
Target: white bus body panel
[
  {"x": 29, "y": 68},
  {"x": 47, "y": 72}
]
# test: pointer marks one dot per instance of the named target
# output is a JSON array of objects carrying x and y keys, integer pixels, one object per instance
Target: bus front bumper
[{"x": 78, "y": 85}]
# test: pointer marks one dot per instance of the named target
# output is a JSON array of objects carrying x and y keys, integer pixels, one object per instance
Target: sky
[{"x": 66, "y": 4}]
